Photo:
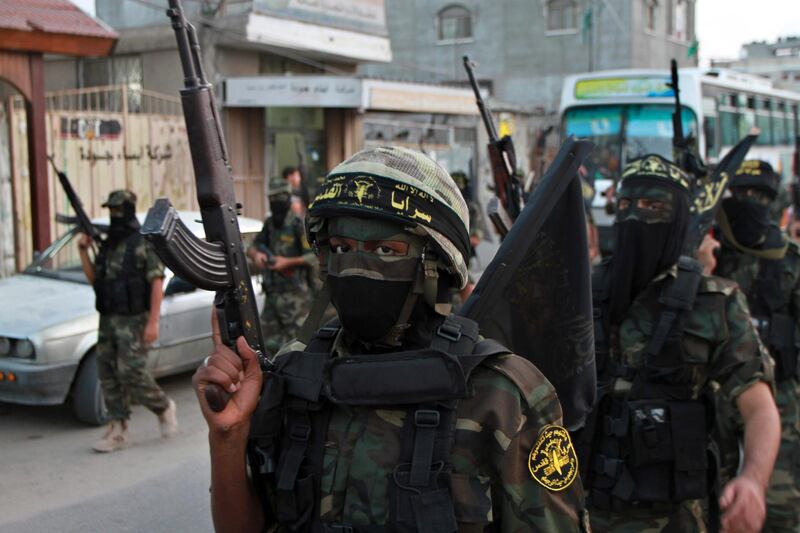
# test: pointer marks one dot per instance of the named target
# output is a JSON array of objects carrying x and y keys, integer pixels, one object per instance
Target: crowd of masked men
[{"x": 696, "y": 425}]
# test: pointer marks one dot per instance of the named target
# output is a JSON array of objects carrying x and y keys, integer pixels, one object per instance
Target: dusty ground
[{"x": 51, "y": 480}]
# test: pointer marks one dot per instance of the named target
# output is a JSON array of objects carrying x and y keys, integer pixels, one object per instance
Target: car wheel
[{"x": 87, "y": 395}]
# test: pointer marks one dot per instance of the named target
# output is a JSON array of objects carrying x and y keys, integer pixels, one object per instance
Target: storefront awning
[{"x": 347, "y": 92}]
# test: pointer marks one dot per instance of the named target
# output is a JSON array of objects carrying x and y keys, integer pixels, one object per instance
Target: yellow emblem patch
[{"x": 552, "y": 461}]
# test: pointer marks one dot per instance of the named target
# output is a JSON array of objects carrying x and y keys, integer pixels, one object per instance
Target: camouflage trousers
[
  {"x": 783, "y": 495},
  {"x": 686, "y": 517},
  {"x": 285, "y": 308},
  {"x": 121, "y": 361}
]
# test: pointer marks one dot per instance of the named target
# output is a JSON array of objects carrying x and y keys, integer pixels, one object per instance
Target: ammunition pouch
[
  {"x": 652, "y": 452},
  {"x": 129, "y": 292},
  {"x": 286, "y": 448},
  {"x": 122, "y": 296},
  {"x": 649, "y": 447}
]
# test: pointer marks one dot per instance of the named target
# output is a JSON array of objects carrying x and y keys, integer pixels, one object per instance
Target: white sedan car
[{"x": 48, "y": 328}]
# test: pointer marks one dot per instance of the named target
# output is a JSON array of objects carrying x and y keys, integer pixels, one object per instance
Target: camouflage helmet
[
  {"x": 758, "y": 175},
  {"x": 120, "y": 197},
  {"x": 404, "y": 186},
  {"x": 652, "y": 169}
]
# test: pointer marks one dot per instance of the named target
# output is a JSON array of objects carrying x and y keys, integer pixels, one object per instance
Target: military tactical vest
[
  {"x": 128, "y": 292},
  {"x": 290, "y": 424},
  {"x": 646, "y": 442},
  {"x": 769, "y": 301}
]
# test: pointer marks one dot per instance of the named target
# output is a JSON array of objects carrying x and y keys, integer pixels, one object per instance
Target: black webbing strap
[
  {"x": 318, "y": 307},
  {"x": 456, "y": 335},
  {"x": 600, "y": 318},
  {"x": 298, "y": 433},
  {"x": 426, "y": 422},
  {"x": 767, "y": 287},
  {"x": 676, "y": 298}
]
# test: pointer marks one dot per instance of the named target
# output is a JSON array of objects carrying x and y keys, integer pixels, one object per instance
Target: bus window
[
  {"x": 779, "y": 125},
  {"x": 710, "y": 131},
  {"x": 747, "y": 119},
  {"x": 648, "y": 130},
  {"x": 729, "y": 127},
  {"x": 602, "y": 125},
  {"x": 763, "y": 123}
]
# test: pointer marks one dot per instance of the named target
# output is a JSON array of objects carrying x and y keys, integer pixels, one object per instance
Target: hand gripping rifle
[
  {"x": 508, "y": 186},
  {"x": 218, "y": 263},
  {"x": 682, "y": 146},
  {"x": 81, "y": 219}
]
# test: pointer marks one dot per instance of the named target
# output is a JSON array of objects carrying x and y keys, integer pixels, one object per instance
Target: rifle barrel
[
  {"x": 179, "y": 22},
  {"x": 487, "y": 118}
]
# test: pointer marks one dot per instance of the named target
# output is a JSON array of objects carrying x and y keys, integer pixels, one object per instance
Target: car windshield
[
  {"x": 60, "y": 260},
  {"x": 624, "y": 132}
]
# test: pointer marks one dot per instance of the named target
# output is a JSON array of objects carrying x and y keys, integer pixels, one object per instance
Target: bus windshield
[{"x": 624, "y": 132}]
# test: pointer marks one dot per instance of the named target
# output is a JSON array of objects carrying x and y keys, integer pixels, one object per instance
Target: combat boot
[
  {"x": 115, "y": 438},
  {"x": 167, "y": 421}
]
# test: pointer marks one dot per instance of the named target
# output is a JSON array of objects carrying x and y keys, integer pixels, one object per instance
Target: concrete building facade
[
  {"x": 524, "y": 48},
  {"x": 778, "y": 61},
  {"x": 286, "y": 79}
]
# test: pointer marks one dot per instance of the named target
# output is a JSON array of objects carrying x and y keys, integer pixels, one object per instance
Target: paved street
[{"x": 51, "y": 480}]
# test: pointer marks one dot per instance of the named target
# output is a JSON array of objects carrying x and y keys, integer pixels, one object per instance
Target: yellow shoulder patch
[{"x": 552, "y": 461}]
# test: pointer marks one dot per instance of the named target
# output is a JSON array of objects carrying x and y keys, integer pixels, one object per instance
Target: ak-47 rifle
[
  {"x": 81, "y": 219},
  {"x": 681, "y": 145},
  {"x": 507, "y": 184},
  {"x": 219, "y": 262}
]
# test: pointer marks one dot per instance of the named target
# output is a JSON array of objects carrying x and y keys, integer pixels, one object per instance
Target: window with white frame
[
  {"x": 650, "y": 7},
  {"x": 562, "y": 15},
  {"x": 677, "y": 19},
  {"x": 454, "y": 24}
]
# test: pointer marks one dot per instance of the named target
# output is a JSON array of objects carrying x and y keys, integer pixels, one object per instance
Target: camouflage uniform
[
  {"x": 121, "y": 352},
  {"x": 783, "y": 495},
  {"x": 287, "y": 296},
  {"x": 721, "y": 350},
  {"x": 660, "y": 364},
  {"x": 492, "y": 487},
  {"x": 510, "y": 414}
]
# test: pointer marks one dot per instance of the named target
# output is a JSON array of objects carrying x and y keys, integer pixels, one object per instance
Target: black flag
[
  {"x": 535, "y": 296},
  {"x": 709, "y": 191}
]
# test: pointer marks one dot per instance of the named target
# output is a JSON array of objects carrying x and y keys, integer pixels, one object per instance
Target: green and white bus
[{"x": 628, "y": 113}]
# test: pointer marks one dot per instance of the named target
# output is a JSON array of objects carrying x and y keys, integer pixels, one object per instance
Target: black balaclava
[
  {"x": 753, "y": 187},
  {"x": 368, "y": 290},
  {"x": 123, "y": 223},
  {"x": 279, "y": 206},
  {"x": 647, "y": 242},
  {"x": 749, "y": 220}
]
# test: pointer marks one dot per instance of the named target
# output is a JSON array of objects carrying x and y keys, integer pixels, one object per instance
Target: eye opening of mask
[
  {"x": 752, "y": 194},
  {"x": 381, "y": 248}
]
